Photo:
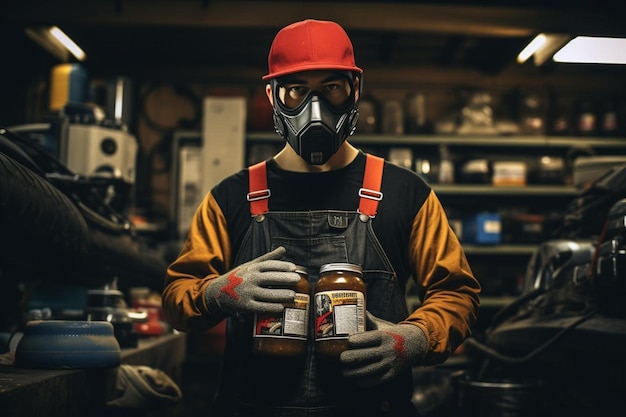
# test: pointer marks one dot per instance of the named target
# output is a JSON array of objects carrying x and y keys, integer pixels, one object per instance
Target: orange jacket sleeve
[
  {"x": 445, "y": 282},
  {"x": 204, "y": 256}
]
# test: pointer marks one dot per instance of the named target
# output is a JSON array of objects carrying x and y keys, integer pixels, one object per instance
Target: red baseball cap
[{"x": 310, "y": 45}]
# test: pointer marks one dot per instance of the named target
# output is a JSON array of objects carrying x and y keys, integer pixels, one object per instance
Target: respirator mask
[{"x": 315, "y": 123}]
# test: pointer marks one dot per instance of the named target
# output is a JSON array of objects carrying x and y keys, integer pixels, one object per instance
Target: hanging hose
[{"x": 492, "y": 353}]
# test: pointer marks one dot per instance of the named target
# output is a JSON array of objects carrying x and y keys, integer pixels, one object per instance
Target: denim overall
[{"x": 254, "y": 385}]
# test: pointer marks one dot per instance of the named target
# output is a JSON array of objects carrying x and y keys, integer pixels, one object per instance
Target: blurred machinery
[
  {"x": 93, "y": 150},
  {"x": 103, "y": 155}
]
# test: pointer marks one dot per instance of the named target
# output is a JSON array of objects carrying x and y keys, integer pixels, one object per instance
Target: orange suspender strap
[
  {"x": 370, "y": 192},
  {"x": 259, "y": 193}
]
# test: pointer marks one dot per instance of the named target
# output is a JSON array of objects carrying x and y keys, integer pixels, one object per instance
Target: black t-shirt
[{"x": 403, "y": 190}]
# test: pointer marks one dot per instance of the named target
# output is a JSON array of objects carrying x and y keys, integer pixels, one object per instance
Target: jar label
[
  {"x": 291, "y": 324},
  {"x": 339, "y": 313}
]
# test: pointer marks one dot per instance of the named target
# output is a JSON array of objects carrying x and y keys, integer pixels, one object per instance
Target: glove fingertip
[{"x": 279, "y": 251}]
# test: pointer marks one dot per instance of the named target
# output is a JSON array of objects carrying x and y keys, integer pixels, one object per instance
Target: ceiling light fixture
[
  {"x": 542, "y": 47},
  {"x": 593, "y": 50},
  {"x": 68, "y": 43},
  {"x": 529, "y": 50},
  {"x": 55, "y": 41}
]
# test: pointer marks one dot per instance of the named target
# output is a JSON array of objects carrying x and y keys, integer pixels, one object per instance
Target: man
[{"x": 320, "y": 200}]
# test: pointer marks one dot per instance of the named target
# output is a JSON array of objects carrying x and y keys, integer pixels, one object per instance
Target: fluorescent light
[
  {"x": 119, "y": 99},
  {"x": 593, "y": 50},
  {"x": 542, "y": 47},
  {"x": 68, "y": 43},
  {"x": 53, "y": 40},
  {"x": 531, "y": 48}
]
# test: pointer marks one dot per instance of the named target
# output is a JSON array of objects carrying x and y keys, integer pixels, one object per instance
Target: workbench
[{"x": 84, "y": 392}]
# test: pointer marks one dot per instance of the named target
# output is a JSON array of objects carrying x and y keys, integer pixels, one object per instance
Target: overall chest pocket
[
  {"x": 384, "y": 297},
  {"x": 313, "y": 252}
]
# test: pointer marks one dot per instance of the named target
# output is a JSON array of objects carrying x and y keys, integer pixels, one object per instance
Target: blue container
[
  {"x": 483, "y": 228},
  {"x": 61, "y": 344}
]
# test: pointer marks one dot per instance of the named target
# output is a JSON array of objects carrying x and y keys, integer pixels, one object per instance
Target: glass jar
[
  {"x": 339, "y": 307},
  {"x": 285, "y": 334}
]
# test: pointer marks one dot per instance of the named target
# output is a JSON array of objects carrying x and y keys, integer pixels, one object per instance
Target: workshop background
[{"x": 104, "y": 159}]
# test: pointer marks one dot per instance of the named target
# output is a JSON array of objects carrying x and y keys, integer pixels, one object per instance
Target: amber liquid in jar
[
  {"x": 285, "y": 334},
  {"x": 339, "y": 307}
]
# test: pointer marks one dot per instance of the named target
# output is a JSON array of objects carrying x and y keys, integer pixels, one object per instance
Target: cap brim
[{"x": 312, "y": 67}]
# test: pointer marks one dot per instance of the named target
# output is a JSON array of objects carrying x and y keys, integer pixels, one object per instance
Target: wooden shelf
[
  {"x": 492, "y": 140},
  {"x": 500, "y": 249},
  {"x": 496, "y": 302},
  {"x": 469, "y": 140},
  {"x": 486, "y": 189}
]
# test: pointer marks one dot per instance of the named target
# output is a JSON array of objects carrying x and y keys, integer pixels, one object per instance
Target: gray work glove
[
  {"x": 376, "y": 356},
  {"x": 257, "y": 286}
]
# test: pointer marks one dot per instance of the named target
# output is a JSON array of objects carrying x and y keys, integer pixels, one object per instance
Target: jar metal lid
[
  {"x": 341, "y": 266},
  {"x": 302, "y": 270}
]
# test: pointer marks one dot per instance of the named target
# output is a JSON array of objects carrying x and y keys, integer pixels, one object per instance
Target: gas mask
[{"x": 314, "y": 125}]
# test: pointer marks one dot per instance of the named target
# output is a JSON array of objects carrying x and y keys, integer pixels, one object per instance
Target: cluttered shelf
[{"x": 485, "y": 164}]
